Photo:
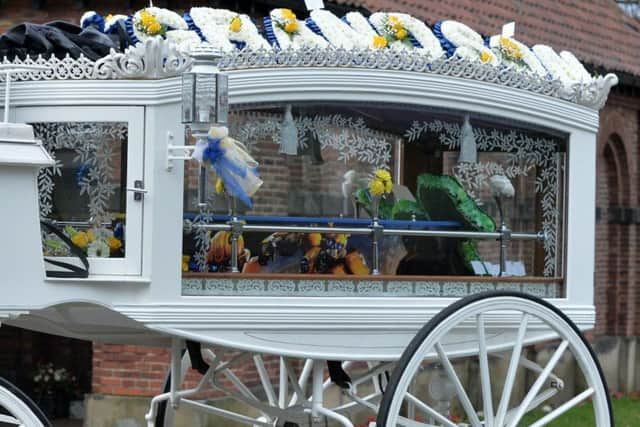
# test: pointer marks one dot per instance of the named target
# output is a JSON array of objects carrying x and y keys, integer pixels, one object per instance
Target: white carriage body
[{"x": 140, "y": 298}]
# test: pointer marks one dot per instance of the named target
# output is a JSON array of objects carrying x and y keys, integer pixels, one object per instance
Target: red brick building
[{"x": 598, "y": 32}]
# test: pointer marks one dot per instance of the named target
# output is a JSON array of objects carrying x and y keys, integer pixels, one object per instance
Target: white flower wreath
[
  {"x": 163, "y": 20},
  {"x": 184, "y": 40},
  {"x": 338, "y": 32},
  {"x": 292, "y": 33},
  {"x": 412, "y": 27},
  {"x": 468, "y": 43},
  {"x": 363, "y": 27},
  {"x": 554, "y": 64},
  {"x": 515, "y": 54},
  {"x": 575, "y": 69},
  {"x": 111, "y": 20},
  {"x": 241, "y": 31}
]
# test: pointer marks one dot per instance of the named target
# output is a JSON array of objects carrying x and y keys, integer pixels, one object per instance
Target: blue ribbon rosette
[{"x": 232, "y": 163}]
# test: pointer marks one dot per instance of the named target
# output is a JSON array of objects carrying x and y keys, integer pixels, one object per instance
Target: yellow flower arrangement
[
  {"x": 149, "y": 24},
  {"x": 376, "y": 187},
  {"x": 291, "y": 27},
  {"x": 80, "y": 239},
  {"x": 381, "y": 183},
  {"x": 288, "y": 15},
  {"x": 236, "y": 24},
  {"x": 510, "y": 49},
  {"x": 486, "y": 56},
  {"x": 219, "y": 186},
  {"x": 379, "y": 42},
  {"x": 114, "y": 243}
]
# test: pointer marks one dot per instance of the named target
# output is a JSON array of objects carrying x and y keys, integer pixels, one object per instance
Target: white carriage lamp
[
  {"x": 21, "y": 157},
  {"x": 468, "y": 146},
  {"x": 205, "y": 101},
  {"x": 441, "y": 389},
  {"x": 501, "y": 189}
]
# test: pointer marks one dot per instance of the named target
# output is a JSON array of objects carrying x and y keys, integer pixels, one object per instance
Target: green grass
[{"x": 626, "y": 412}]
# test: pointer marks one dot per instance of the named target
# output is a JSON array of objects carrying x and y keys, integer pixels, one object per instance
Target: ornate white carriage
[{"x": 114, "y": 130}]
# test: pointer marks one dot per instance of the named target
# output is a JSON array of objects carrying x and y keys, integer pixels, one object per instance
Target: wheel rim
[
  {"x": 14, "y": 411},
  {"x": 538, "y": 320}
]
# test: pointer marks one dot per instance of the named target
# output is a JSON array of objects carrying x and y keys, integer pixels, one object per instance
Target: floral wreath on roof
[
  {"x": 152, "y": 22},
  {"x": 513, "y": 53},
  {"x": 406, "y": 32},
  {"x": 335, "y": 30},
  {"x": 283, "y": 29},
  {"x": 457, "y": 39},
  {"x": 212, "y": 24}
]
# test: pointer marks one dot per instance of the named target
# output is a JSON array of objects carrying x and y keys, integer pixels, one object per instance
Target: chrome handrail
[{"x": 375, "y": 229}]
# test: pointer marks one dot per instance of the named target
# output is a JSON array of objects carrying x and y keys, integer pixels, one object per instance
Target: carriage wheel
[
  {"x": 16, "y": 408},
  {"x": 470, "y": 329}
]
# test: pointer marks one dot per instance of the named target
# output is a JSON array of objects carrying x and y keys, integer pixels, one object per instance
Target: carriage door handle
[{"x": 138, "y": 190}]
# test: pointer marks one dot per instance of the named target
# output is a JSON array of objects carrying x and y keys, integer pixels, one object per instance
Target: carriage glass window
[
  {"x": 84, "y": 192},
  {"x": 444, "y": 171}
]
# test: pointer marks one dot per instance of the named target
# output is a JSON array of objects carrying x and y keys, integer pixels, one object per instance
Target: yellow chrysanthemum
[
  {"x": 80, "y": 239},
  {"x": 114, "y": 243},
  {"x": 291, "y": 27},
  {"x": 236, "y": 24},
  {"x": 393, "y": 19},
  {"x": 486, "y": 56},
  {"x": 91, "y": 235},
  {"x": 288, "y": 15},
  {"x": 388, "y": 186},
  {"x": 185, "y": 263},
  {"x": 219, "y": 186},
  {"x": 379, "y": 42},
  {"x": 147, "y": 19},
  {"x": 154, "y": 28},
  {"x": 402, "y": 34},
  {"x": 376, "y": 187},
  {"x": 108, "y": 17},
  {"x": 383, "y": 175}
]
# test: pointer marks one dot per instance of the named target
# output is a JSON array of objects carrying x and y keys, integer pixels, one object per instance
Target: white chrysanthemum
[
  {"x": 575, "y": 69},
  {"x": 168, "y": 18},
  {"x": 338, "y": 32},
  {"x": 553, "y": 63},
  {"x": 216, "y": 35},
  {"x": 98, "y": 249},
  {"x": 468, "y": 43},
  {"x": 303, "y": 37},
  {"x": 248, "y": 34},
  {"x": 205, "y": 15},
  {"x": 185, "y": 40},
  {"x": 361, "y": 25},
  {"x": 531, "y": 62},
  {"x": 112, "y": 20}
]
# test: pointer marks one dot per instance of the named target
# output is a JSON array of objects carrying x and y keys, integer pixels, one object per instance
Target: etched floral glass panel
[
  {"x": 449, "y": 171},
  {"x": 85, "y": 191}
]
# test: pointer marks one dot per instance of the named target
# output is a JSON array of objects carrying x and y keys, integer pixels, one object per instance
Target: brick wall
[{"x": 616, "y": 239}]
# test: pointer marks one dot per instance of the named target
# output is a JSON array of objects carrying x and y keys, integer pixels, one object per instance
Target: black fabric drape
[{"x": 59, "y": 39}]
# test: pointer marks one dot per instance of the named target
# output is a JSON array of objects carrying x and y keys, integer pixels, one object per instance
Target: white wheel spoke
[
  {"x": 462, "y": 395},
  {"x": 539, "y": 400},
  {"x": 293, "y": 380},
  {"x": 429, "y": 410},
  {"x": 537, "y": 385},
  {"x": 563, "y": 408},
  {"x": 9, "y": 420},
  {"x": 511, "y": 371},
  {"x": 264, "y": 379},
  {"x": 485, "y": 377}
]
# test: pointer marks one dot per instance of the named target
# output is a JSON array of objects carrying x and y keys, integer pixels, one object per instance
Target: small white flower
[
  {"x": 98, "y": 249},
  {"x": 184, "y": 40},
  {"x": 338, "y": 32},
  {"x": 553, "y": 63},
  {"x": 574, "y": 68},
  {"x": 112, "y": 20}
]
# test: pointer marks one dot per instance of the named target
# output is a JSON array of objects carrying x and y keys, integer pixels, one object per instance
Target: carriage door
[{"x": 98, "y": 154}]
